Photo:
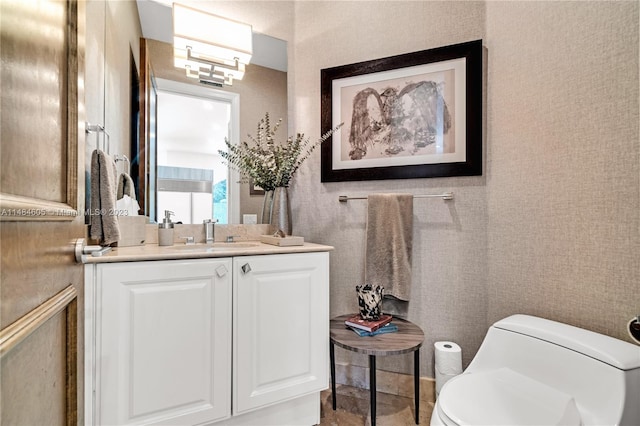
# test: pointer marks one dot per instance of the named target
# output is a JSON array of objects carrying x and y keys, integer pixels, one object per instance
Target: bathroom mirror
[{"x": 263, "y": 89}]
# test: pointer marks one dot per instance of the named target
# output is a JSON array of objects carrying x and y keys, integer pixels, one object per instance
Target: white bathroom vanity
[{"x": 195, "y": 336}]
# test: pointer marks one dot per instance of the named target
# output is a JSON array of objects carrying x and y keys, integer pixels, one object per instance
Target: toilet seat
[{"x": 504, "y": 397}]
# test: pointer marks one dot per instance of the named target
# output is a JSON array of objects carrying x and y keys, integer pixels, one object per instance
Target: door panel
[
  {"x": 41, "y": 49},
  {"x": 39, "y": 360},
  {"x": 24, "y": 370},
  {"x": 41, "y": 204}
]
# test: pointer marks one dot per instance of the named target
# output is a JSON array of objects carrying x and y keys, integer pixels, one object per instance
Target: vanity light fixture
[{"x": 209, "y": 47}]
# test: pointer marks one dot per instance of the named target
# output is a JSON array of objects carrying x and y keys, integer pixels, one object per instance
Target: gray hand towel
[
  {"x": 102, "y": 220},
  {"x": 389, "y": 245},
  {"x": 125, "y": 186}
]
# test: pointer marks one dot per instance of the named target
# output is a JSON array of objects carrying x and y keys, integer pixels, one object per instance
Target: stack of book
[{"x": 371, "y": 327}]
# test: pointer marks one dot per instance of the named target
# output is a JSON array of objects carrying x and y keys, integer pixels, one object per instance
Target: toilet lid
[{"x": 504, "y": 397}]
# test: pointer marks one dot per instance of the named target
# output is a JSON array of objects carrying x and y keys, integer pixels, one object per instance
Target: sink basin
[{"x": 213, "y": 247}]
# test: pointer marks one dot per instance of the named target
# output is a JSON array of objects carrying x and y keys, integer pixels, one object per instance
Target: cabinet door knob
[
  {"x": 221, "y": 271},
  {"x": 246, "y": 268}
]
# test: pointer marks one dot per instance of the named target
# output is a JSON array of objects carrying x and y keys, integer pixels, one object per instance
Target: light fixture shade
[
  {"x": 211, "y": 36},
  {"x": 180, "y": 60}
]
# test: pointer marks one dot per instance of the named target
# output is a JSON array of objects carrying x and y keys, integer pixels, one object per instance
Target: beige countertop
[{"x": 198, "y": 251}]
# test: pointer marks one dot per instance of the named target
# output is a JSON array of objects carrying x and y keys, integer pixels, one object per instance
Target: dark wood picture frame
[
  {"x": 404, "y": 84},
  {"x": 254, "y": 189}
]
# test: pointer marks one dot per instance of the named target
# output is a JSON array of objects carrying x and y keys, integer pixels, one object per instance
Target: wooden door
[
  {"x": 280, "y": 328},
  {"x": 41, "y": 211}
]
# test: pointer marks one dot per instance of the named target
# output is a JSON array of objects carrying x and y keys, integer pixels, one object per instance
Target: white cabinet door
[
  {"x": 163, "y": 342},
  {"x": 281, "y": 328}
]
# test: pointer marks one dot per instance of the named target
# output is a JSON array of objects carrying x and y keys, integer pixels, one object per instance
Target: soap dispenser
[{"x": 165, "y": 230}]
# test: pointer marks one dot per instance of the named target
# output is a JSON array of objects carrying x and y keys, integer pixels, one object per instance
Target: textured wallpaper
[
  {"x": 563, "y": 162},
  {"x": 552, "y": 227},
  {"x": 450, "y": 238}
]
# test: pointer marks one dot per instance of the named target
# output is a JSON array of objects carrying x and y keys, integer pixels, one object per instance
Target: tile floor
[{"x": 352, "y": 409}]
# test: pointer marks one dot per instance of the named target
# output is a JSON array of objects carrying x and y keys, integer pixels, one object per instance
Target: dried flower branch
[{"x": 267, "y": 162}]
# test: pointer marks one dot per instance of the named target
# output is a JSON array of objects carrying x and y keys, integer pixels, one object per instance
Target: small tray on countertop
[{"x": 282, "y": 241}]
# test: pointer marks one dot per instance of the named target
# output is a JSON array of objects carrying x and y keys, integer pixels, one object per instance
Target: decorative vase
[
  {"x": 267, "y": 204},
  {"x": 370, "y": 301},
  {"x": 281, "y": 210}
]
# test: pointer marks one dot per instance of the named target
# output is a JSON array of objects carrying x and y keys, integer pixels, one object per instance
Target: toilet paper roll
[
  {"x": 448, "y": 358},
  {"x": 441, "y": 379},
  {"x": 448, "y": 362}
]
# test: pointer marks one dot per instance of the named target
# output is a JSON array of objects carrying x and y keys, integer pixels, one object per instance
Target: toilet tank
[{"x": 600, "y": 372}]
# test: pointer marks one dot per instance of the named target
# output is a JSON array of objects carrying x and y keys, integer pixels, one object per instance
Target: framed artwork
[
  {"x": 416, "y": 115},
  {"x": 255, "y": 189}
]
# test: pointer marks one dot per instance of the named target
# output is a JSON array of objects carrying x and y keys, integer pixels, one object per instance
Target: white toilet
[{"x": 532, "y": 371}]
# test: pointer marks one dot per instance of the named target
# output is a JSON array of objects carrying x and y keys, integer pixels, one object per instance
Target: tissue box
[
  {"x": 132, "y": 230},
  {"x": 282, "y": 242}
]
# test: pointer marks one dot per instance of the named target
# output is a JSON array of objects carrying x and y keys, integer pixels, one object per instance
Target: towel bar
[
  {"x": 97, "y": 129},
  {"x": 122, "y": 157},
  {"x": 445, "y": 196}
]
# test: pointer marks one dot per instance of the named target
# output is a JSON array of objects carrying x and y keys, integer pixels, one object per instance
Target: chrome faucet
[{"x": 209, "y": 231}]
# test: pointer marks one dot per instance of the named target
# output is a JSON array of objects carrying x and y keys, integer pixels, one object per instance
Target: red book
[{"x": 368, "y": 325}]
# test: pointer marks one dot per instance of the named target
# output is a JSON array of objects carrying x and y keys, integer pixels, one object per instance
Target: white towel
[
  {"x": 125, "y": 186},
  {"x": 389, "y": 245},
  {"x": 128, "y": 205},
  {"x": 102, "y": 220}
]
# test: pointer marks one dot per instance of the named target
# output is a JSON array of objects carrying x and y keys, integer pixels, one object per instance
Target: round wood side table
[{"x": 408, "y": 338}]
